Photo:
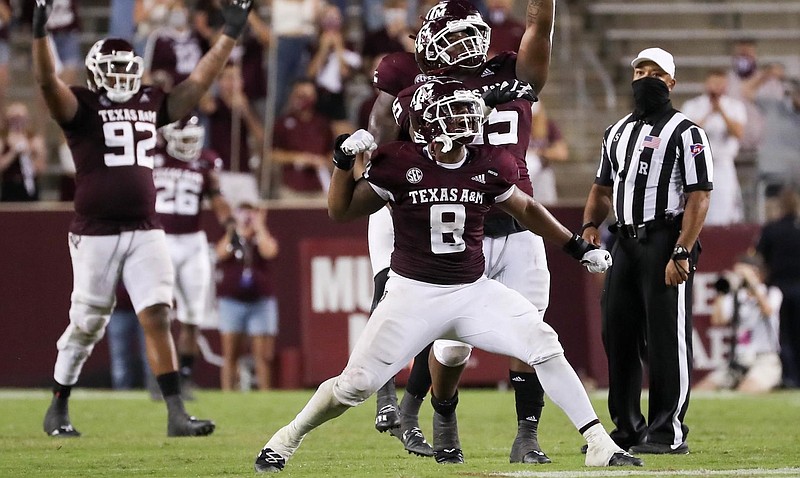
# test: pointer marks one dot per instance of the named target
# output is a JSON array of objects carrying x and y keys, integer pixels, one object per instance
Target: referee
[{"x": 656, "y": 172}]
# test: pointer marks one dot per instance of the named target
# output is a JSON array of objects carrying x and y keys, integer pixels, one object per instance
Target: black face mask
[{"x": 650, "y": 95}]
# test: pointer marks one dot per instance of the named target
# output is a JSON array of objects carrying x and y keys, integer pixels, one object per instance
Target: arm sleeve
[{"x": 696, "y": 160}]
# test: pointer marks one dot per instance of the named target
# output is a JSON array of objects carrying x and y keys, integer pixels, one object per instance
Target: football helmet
[
  {"x": 184, "y": 138},
  {"x": 453, "y": 36},
  {"x": 113, "y": 66},
  {"x": 443, "y": 110}
]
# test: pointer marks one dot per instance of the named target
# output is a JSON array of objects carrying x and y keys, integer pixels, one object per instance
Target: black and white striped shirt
[{"x": 651, "y": 166}]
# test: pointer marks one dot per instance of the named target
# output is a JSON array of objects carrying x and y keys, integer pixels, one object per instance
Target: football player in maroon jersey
[
  {"x": 184, "y": 175},
  {"x": 454, "y": 40},
  {"x": 440, "y": 193},
  {"x": 111, "y": 131}
]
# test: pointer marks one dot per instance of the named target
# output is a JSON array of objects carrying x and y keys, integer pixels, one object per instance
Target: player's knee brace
[
  {"x": 451, "y": 353},
  {"x": 354, "y": 386}
]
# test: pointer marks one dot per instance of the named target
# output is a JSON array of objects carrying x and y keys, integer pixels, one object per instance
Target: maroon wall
[{"x": 35, "y": 283}]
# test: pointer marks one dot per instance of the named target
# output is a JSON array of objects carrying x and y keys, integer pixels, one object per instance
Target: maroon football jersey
[
  {"x": 112, "y": 146},
  {"x": 180, "y": 187},
  {"x": 176, "y": 54},
  {"x": 438, "y": 212}
]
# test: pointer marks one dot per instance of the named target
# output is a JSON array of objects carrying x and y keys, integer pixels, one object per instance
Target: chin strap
[{"x": 447, "y": 143}]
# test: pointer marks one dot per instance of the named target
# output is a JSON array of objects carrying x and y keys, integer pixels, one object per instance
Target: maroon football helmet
[
  {"x": 184, "y": 138},
  {"x": 444, "y": 110},
  {"x": 113, "y": 66},
  {"x": 453, "y": 36}
]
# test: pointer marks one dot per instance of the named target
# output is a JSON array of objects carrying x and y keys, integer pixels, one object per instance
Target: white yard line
[{"x": 614, "y": 473}]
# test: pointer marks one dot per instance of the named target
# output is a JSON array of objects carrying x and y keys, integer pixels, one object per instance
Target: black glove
[
  {"x": 235, "y": 13},
  {"x": 341, "y": 159},
  {"x": 509, "y": 91},
  {"x": 41, "y": 12},
  {"x": 577, "y": 247}
]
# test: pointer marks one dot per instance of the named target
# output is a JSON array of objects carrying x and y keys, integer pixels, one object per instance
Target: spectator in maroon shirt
[
  {"x": 506, "y": 30},
  {"x": 247, "y": 304},
  {"x": 172, "y": 51},
  {"x": 235, "y": 132},
  {"x": 303, "y": 144}
]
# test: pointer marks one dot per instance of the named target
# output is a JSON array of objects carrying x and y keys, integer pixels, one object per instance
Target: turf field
[{"x": 124, "y": 434}]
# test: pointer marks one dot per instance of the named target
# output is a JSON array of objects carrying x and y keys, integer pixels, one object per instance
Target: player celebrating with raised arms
[
  {"x": 454, "y": 41},
  {"x": 111, "y": 131},
  {"x": 440, "y": 192}
]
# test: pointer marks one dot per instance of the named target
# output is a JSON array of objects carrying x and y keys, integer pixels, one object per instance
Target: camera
[
  {"x": 729, "y": 281},
  {"x": 236, "y": 246}
]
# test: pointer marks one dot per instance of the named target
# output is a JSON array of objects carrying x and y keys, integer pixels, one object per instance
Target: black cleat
[
  {"x": 649, "y": 448},
  {"x": 188, "y": 426},
  {"x": 525, "y": 448},
  {"x": 446, "y": 445},
  {"x": 623, "y": 458},
  {"x": 449, "y": 455},
  {"x": 269, "y": 461},
  {"x": 387, "y": 418},
  {"x": 57, "y": 423},
  {"x": 413, "y": 441}
]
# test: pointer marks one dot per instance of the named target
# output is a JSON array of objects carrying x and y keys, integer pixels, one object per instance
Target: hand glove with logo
[
  {"x": 509, "y": 91},
  {"x": 235, "y": 14},
  {"x": 359, "y": 142},
  {"x": 41, "y": 12},
  {"x": 347, "y": 146},
  {"x": 597, "y": 260}
]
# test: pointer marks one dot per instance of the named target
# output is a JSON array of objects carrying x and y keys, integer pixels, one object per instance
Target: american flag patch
[
  {"x": 652, "y": 142},
  {"x": 696, "y": 149}
]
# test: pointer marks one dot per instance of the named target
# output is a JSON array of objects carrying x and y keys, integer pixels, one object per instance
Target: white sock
[
  {"x": 322, "y": 407},
  {"x": 562, "y": 385}
]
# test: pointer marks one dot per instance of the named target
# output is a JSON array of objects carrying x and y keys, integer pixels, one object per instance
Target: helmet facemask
[
  {"x": 454, "y": 44},
  {"x": 455, "y": 119},
  {"x": 184, "y": 142},
  {"x": 119, "y": 72}
]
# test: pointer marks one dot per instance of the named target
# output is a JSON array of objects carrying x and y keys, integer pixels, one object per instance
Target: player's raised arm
[
  {"x": 60, "y": 100},
  {"x": 185, "y": 96},
  {"x": 533, "y": 59},
  {"x": 349, "y": 198}
]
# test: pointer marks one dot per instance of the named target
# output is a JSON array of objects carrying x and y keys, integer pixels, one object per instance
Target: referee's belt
[{"x": 640, "y": 231}]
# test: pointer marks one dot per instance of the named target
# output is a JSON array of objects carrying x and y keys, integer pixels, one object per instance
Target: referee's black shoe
[{"x": 650, "y": 448}]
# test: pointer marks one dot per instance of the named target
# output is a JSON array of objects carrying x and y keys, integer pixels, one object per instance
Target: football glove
[
  {"x": 235, "y": 13},
  {"x": 359, "y": 142},
  {"x": 41, "y": 12},
  {"x": 597, "y": 260},
  {"x": 509, "y": 91}
]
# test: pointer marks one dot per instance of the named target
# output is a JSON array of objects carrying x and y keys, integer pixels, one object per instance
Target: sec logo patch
[{"x": 414, "y": 175}]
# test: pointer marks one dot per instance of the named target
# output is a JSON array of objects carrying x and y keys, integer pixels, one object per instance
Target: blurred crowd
[
  {"x": 324, "y": 57},
  {"x": 276, "y": 146}
]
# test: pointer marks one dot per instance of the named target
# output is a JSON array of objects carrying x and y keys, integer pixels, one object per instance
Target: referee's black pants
[{"x": 647, "y": 322}]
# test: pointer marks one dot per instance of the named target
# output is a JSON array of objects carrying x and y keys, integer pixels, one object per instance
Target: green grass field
[{"x": 124, "y": 434}]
